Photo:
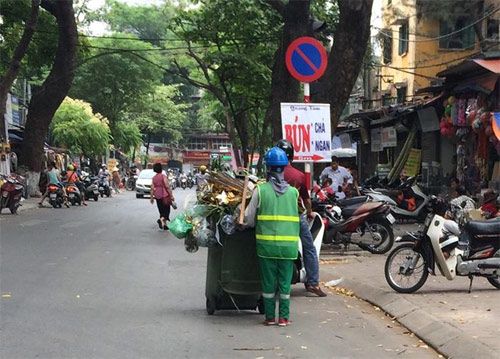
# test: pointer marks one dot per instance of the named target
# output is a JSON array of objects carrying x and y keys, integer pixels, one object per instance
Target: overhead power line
[{"x": 384, "y": 33}]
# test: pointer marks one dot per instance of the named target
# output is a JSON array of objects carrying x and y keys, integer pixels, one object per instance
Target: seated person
[
  {"x": 489, "y": 206},
  {"x": 408, "y": 204},
  {"x": 463, "y": 201},
  {"x": 326, "y": 187}
]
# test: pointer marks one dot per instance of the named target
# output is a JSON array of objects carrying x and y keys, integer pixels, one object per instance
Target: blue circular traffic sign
[{"x": 306, "y": 59}]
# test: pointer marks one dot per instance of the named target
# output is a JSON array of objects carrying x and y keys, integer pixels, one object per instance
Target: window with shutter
[
  {"x": 457, "y": 34},
  {"x": 387, "y": 45},
  {"x": 403, "y": 38}
]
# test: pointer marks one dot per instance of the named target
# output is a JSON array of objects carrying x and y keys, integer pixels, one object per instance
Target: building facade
[{"x": 417, "y": 43}]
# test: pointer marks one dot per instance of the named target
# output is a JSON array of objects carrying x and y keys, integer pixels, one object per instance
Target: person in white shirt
[{"x": 339, "y": 175}]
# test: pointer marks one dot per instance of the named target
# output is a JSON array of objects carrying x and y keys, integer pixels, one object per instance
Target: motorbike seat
[
  {"x": 484, "y": 228},
  {"x": 351, "y": 201},
  {"x": 349, "y": 211}
]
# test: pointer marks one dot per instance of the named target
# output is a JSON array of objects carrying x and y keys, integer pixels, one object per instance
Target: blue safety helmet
[{"x": 276, "y": 157}]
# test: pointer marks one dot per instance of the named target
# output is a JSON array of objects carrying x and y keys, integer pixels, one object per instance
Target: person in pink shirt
[{"x": 160, "y": 190}]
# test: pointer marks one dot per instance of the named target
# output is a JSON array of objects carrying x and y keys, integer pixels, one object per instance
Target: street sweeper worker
[{"x": 275, "y": 214}]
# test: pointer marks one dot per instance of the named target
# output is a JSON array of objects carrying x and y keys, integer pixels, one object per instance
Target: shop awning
[{"x": 492, "y": 65}]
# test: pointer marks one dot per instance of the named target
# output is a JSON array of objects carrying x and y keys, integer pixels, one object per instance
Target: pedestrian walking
[
  {"x": 274, "y": 212},
  {"x": 115, "y": 174},
  {"x": 297, "y": 179},
  {"x": 160, "y": 190}
]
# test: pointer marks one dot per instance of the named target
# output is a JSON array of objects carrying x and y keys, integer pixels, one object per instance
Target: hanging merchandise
[
  {"x": 446, "y": 129},
  {"x": 495, "y": 124},
  {"x": 454, "y": 114},
  {"x": 461, "y": 162},
  {"x": 461, "y": 117}
]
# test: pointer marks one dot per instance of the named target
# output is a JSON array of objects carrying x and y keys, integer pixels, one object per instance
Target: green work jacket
[{"x": 277, "y": 227}]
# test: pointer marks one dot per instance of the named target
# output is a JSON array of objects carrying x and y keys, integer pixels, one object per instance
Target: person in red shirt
[
  {"x": 296, "y": 178},
  {"x": 489, "y": 206}
]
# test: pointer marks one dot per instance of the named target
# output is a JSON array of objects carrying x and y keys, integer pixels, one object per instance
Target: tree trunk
[
  {"x": 346, "y": 57},
  {"x": 241, "y": 124},
  {"x": 284, "y": 88},
  {"x": 146, "y": 159},
  {"x": 8, "y": 78},
  {"x": 230, "y": 129},
  {"x": 48, "y": 97}
]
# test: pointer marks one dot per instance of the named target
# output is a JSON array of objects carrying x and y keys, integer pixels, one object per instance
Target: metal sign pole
[{"x": 308, "y": 166}]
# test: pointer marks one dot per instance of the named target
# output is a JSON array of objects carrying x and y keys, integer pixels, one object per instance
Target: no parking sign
[{"x": 306, "y": 59}]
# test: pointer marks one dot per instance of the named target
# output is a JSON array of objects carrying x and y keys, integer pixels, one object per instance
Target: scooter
[
  {"x": 317, "y": 228},
  {"x": 74, "y": 195},
  {"x": 55, "y": 196},
  {"x": 91, "y": 187},
  {"x": 130, "y": 184},
  {"x": 104, "y": 188},
  {"x": 11, "y": 192},
  {"x": 366, "y": 224},
  {"x": 190, "y": 181},
  {"x": 183, "y": 181},
  {"x": 473, "y": 251},
  {"x": 409, "y": 187}
]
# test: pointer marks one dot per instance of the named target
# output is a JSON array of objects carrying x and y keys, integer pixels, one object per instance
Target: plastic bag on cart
[
  {"x": 203, "y": 232},
  {"x": 228, "y": 224},
  {"x": 179, "y": 227}
]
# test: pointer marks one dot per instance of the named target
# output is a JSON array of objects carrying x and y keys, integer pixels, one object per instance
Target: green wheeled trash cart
[{"x": 233, "y": 280}]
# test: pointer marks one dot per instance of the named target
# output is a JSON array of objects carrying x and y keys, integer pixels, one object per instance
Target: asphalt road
[{"x": 104, "y": 282}]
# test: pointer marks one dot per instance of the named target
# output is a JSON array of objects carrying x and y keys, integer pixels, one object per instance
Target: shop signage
[
  {"x": 197, "y": 154},
  {"x": 307, "y": 127},
  {"x": 389, "y": 137},
  {"x": 412, "y": 166},
  {"x": 376, "y": 140},
  {"x": 345, "y": 140}
]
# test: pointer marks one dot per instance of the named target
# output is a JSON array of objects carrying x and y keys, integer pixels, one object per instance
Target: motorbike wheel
[
  {"x": 102, "y": 194},
  {"x": 494, "y": 281},
  {"x": 130, "y": 185},
  {"x": 96, "y": 198},
  {"x": 383, "y": 229},
  {"x": 13, "y": 208},
  {"x": 397, "y": 269}
]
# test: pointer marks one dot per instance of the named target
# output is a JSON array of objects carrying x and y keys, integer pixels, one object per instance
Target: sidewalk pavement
[{"x": 442, "y": 312}]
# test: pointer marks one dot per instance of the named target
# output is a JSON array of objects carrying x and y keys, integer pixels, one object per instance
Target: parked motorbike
[
  {"x": 104, "y": 188},
  {"x": 55, "y": 196},
  {"x": 366, "y": 224},
  {"x": 410, "y": 189},
  {"x": 472, "y": 251},
  {"x": 317, "y": 228},
  {"x": 11, "y": 191},
  {"x": 91, "y": 187},
  {"x": 74, "y": 195}
]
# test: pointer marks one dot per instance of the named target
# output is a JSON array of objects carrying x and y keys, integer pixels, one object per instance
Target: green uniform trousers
[{"x": 276, "y": 276}]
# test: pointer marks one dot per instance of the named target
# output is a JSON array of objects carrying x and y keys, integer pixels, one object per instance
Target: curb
[{"x": 443, "y": 337}]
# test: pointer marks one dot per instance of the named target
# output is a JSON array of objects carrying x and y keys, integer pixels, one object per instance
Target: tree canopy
[{"x": 76, "y": 127}]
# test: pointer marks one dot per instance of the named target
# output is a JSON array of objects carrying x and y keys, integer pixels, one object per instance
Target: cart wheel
[
  {"x": 210, "y": 306},
  {"x": 260, "y": 306}
]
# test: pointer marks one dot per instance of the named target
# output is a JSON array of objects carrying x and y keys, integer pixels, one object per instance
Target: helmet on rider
[
  {"x": 286, "y": 146},
  {"x": 276, "y": 159},
  {"x": 103, "y": 166},
  {"x": 203, "y": 168},
  {"x": 70, "y": 168}
]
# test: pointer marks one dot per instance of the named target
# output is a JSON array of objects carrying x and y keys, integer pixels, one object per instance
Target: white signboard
[
  {"x": 345, "y": 140},
  {"x": 389, "y": 137},
  {"x": 376, "y": 137},
  {"x": 307, "y": 127}
]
